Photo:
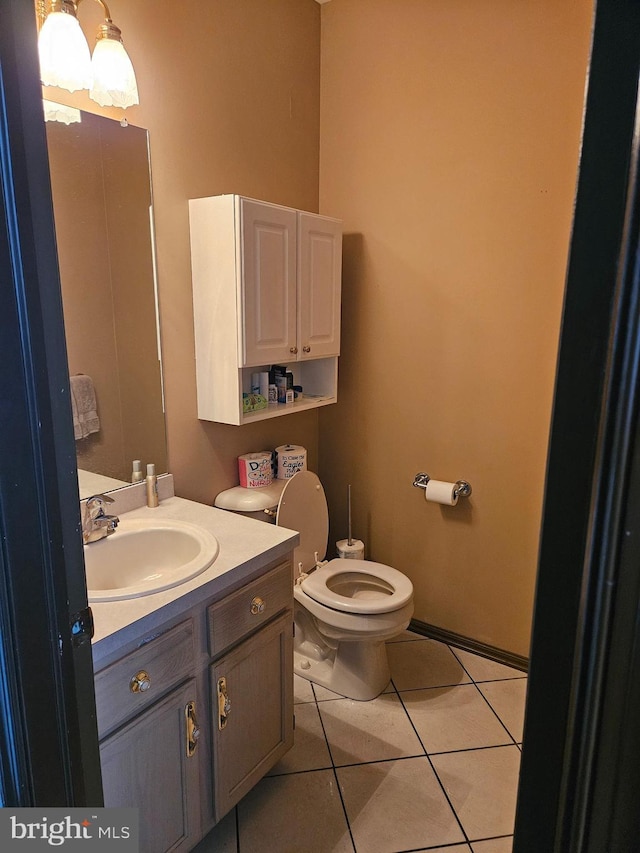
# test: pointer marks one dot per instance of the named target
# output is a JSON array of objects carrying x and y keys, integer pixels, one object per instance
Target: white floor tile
[
  {"x": 507, "y": 698},
  {"x": 424, "y": 663},
  {"x": 451, "y": 718},
  {"x": 368, "y": 731},
  {"x": 299, "y": 813},
  {"x": 309, "y": 751},
  {"x": 482, "y": 786},
  {"x": 397, "y": 805}
]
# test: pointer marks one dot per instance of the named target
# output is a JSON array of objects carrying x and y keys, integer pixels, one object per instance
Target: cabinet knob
[
  {"x": 306, "y": 349},
  {"x": 258, "y": 605},
  {"x": 140, "y": 682},
  {"x": 293, "y": 350}
]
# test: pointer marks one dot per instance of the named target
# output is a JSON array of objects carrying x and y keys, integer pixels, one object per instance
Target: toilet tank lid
[{"x": 239, "y": 499}]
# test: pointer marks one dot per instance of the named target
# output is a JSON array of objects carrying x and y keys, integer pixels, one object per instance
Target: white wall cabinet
[
  {"x": 266, "y": 290},
  {"x": 196, "y": 714}
]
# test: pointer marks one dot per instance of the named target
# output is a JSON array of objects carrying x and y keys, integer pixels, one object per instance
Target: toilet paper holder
[{"x": 462, "y": 489}]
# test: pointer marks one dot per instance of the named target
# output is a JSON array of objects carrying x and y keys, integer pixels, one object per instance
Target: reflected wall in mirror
[{"x": 100, "y": 180}]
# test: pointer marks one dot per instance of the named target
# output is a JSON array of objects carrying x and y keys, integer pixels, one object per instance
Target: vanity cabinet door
[
  {"x": 152, "y": 764},
  {"x": 252, "y": 711},
  {"x": 268, "y": 283},
  {"x": 319, "y": 285}
]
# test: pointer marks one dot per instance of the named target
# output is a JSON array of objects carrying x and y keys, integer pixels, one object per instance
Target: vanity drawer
[
  {"x": 131, "y": 684},
  {"x": 250, "y": 607}
]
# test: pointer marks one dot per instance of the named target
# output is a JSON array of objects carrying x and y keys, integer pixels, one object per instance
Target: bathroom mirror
[{"x": 101, "y": 186}]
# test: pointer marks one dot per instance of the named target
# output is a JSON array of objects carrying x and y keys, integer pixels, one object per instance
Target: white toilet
[{"x": 344, "y": 609}]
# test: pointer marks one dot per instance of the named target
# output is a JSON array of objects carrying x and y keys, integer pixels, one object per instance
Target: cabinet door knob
[
  {"x": 193, "y": 729},
  {"x": 140, "y": 682},
  {"x": 224, "y": 703},
  {"x": 306, "y": 349},
  {"x": 293, "y": 350},
  {"x": 258, "y": 605}
]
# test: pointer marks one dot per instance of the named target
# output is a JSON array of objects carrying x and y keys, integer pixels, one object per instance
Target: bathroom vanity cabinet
[
  {"x": 196, "y": 713},
  {"x": 266, "y": 290}
]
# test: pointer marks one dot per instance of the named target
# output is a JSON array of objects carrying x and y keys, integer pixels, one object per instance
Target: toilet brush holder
[{"x": 350, "y": 549}]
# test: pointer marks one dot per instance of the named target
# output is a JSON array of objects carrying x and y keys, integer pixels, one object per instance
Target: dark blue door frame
[{"x": 48, "y": 740}]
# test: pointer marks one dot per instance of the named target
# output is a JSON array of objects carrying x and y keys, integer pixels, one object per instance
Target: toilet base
[{"x": 357, "y": 670}]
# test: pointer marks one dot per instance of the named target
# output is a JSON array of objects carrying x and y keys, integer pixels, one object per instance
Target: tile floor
[{"x": 431, "y": 764}]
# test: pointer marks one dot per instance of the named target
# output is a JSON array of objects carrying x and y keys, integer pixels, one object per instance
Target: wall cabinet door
[
  {"x": 252, "y": 708},
  {"x": 147, "y": 765},
  {"x": 268, "y": 283},
  {"x": 319, "y": 286}
]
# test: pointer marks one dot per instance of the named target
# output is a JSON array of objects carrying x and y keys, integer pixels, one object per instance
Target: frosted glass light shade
[
  {"x": 65, "y": 60},
  {"x": 114, "y": 80}
]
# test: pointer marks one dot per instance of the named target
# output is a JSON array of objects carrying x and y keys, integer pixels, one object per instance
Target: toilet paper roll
[
  {"x": 291, "y": 458},
  {"x": 440, "y": 492},
  {"x": 255, "y": 469},
  {"x": 355, "y": 551},
  {"x": 264, "y": 384}
]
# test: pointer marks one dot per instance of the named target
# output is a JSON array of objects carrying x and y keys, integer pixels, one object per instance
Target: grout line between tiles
[
  {"x": 435, "y": 772},
  {"x": 335, "y": 776},
  {"x": 488, "y": 681},
  {"x": 475, "y": 748},
  {"x": 460, "y": 844},
  {"x": 497, "y": 715}
]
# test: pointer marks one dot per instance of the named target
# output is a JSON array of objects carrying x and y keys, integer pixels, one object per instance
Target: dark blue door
[{"x": 48, "y": 737}]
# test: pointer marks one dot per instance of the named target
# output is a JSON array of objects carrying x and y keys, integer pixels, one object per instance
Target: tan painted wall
[
  {"x": 449, "y": 146},
  {"x": 449, "y": 143},
  {"x": 230, "y": 94}
]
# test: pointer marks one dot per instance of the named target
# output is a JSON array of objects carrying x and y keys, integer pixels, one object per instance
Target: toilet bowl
[{"x": 344, "y": 609}]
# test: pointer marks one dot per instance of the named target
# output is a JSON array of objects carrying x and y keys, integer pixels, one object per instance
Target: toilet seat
[{"x": 358, "y": 586}]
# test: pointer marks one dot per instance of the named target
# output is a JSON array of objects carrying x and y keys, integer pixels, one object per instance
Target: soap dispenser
[{"x": 152, "y": 485}]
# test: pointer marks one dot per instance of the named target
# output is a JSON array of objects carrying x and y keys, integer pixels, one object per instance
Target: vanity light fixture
[{"x": 65, "y": 60}]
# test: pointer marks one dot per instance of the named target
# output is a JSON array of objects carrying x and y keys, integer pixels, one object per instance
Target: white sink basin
[{"x": 142, "y": 557}]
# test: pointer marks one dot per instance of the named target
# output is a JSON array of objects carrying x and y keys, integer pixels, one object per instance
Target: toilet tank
[{"x": 259, "y": 503}]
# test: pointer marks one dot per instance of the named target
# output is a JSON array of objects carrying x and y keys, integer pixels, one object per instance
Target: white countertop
[{"x": 245, "y": 546}]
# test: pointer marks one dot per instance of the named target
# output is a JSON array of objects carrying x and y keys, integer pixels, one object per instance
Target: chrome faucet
[{"x": 96, "y": 524}]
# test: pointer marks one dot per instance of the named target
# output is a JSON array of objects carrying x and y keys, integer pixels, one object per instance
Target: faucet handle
[{"x": 97, "y": 501}]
